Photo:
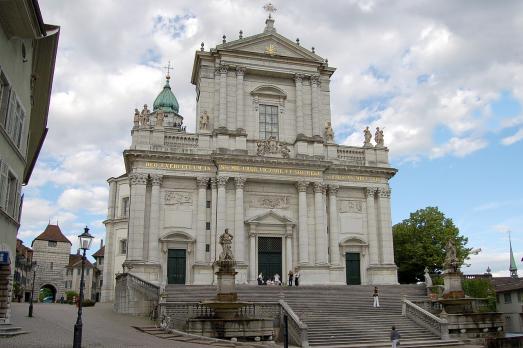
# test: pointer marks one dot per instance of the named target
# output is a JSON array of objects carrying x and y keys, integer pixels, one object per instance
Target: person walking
[
  {"x": 296, "y": 277},
  {"x": 395, "y": 337},
  {"x": 260, "y": 279},
  {"x": 376, "y": 297},
  {"x": 291, "y": 277}
]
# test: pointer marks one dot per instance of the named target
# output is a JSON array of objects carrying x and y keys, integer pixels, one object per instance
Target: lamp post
[
  {"x": 30, "y": 314},
  {"x": 85, "y": 240}
]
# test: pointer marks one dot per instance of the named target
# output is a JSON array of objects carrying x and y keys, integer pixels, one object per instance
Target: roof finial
[
  {"x": 313, "y": 51},
  {"x": 241, "y": 34},
  {"x": 168, "y": 68},
  {"x": 270, "y": 8},
  {"x": 224, "y": 38},
  {"x": 202, "y": 47},
  {"x": 513, "y": 268},
  {"x": 298, "y": 41}
]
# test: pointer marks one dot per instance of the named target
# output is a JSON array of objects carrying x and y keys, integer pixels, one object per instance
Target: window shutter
[
  {"x": 5, "y": 91},
  {"x": 3, "y": 184}
]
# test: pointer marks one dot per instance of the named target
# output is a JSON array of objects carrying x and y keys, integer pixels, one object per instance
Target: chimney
[
  {"x": 78, "y": 251},
  {"x": 101, "y": 243}
]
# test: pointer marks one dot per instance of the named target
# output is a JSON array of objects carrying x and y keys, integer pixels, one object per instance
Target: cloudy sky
[{"x": 444, "y": 78}]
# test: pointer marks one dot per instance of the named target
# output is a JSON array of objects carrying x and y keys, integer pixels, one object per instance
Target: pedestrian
[
  {"x": 395, "y": 337},
  {"x": 277, "y": 279},
  {"x": 296, "y": 277},
  {"x": 376, "y": 297},
  {"x": 291, "y": 277},
  {"x": 260, "y": 279}
]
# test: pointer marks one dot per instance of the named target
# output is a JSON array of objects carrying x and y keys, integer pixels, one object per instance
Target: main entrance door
[
  {"x": 176, "y": 266},
  {"x": 352, "y": 268},
  {"x": 269, "y": 257}
]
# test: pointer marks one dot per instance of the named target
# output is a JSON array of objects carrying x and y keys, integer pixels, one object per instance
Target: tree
[{"x": 420, "y": 240}]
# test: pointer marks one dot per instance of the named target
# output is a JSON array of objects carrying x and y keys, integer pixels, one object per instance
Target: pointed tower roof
[
  {"x": 513, "y": 268},
  {"x": 166, "y": 101},
  {"x": 52, "y": 233}
]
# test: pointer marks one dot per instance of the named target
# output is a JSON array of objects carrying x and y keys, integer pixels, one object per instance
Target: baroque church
[{"x": 264, "y": 165}]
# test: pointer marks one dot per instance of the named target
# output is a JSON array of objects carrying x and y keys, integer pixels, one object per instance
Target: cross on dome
[
  {"x": 270, "y": 8},
  {"x": 168, "y": 68}
]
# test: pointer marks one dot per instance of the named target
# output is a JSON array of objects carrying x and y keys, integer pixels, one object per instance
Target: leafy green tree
[{"x": 420, "y": 240}]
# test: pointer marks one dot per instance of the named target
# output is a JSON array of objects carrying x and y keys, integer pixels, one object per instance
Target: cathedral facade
[{"x": 263, "y": 164}]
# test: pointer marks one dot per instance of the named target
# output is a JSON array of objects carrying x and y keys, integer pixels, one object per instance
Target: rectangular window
[
  {"x": 508, "y": 297},
  {"x": 5, "y": 90},
  {"x": 124, "y": 212},
  {"x": 520, "y": 296},
  {"x": 207, "y": 226},
  {"x": 12, "y": 192},
  {"x": 207, "y": 248},
  {"x": 208, "y": 204},
  {"x": 14, "y": 120},
  {"x": 78, "y": 271},
  {"x": 268, "y": 121},
  {"x": 3, "y": 185},
  {"x": 123, "y": 246},
  {"x": 51, "y": 243},
  {"x": 101, "y": 282},
  {"x": 51, "y": 266}
]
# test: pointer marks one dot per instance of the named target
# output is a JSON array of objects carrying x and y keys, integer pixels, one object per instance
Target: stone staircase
[
  {"x": 337, "y": 316},
  {"x": 8, "y": 330}
]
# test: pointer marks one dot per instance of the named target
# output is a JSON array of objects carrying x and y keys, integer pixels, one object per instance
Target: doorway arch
[{"x": 47, "y": 293}]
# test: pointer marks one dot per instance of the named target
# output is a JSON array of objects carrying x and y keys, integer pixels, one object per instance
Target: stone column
[
  {"x": 334, "y": 227},
  {"x": 221, "y": 211},
  {"x": 223, "y": 96},
  {"x": 387, "y": 248},
  {"x": 252, "y": 253},
  {"x": 202, "y": 209},
  {"x": 154, "y": 220},
  {"x": 288, "y": 252},
  {"x": 315, "y": 105},
  {"x": 240, "y": 113},
  {"x": 108, "y": 270},
  {"x": 319, "y": 208},
  {"x": 303, "y": 234},
  {"x": 135, "y": 245},
  {"x": 298, "y": 79},
  {"x": 111, "y": 207},
  {"x": 239, "y": 231},
  {"x": 371, "y": 226},
  {"x": 214, "y": 207}
]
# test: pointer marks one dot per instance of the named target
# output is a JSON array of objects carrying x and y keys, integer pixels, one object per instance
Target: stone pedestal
[{"x": 453, "y": 286}]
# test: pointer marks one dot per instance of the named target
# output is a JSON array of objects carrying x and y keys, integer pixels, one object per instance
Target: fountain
[{"x": 228, "y": 317}]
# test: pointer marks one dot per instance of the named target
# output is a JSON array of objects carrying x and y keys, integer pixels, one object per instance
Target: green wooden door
[
  {"x": 269, "y": 257},
  {"x": 176, "y": 266},
  {"x": 352, "y": 268}
]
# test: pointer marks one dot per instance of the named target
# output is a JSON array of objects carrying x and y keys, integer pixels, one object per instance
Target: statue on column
[
  {"x": 329, "y": 132},
  {"x": 428, "y": 279},
  {"x": 451, "y": 263},
  {"x": 378, "y": 137},
  {"x": 225, "y": 242},
  {"x": 144, "y": 116},
  {"x": 136, "y": 119},
  {"x": 368, "y": 137},
  {"x": 159, "y": 118},
  {"x": 204, "y": 121}
]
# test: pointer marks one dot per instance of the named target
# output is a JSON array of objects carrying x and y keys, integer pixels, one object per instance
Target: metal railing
[
  {"x": 426, "y": 319},
  {"x": 298, "y": 330}
]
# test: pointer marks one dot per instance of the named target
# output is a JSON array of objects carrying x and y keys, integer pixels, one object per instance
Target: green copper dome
[{"x": 166, "y": 100}]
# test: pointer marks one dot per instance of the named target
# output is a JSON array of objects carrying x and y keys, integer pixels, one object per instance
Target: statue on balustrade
[
  {"x": 329, "y": 132},
  {"x": 451, "y": 263},
  {"x": 368, "y": 137},
  {"x": 204, "y": 121},
  {"x": 378, "y": 137}
]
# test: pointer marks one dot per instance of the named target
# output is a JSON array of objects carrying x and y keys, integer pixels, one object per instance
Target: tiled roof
[
  {"x": 100, "y": 252},
  {"x": 502, "y": 284},
  {"x": 52, "y": 233},
  {"x": 75, "y": 260}
]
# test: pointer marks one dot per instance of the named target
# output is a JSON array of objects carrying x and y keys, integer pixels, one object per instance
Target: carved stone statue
[
  {"x": 378, "y": 137},
  {"x": 451, "y": 263},
  {"x": 428, "y": 279},
  {"x": 272, "y": 146},
  {"x": 204, "y": 121},
  {"x": 368, "y": 137},
  {"x": 329, "y": 132},
  {"x": 144, "y": 116},
  {"x": 284, "y": 151},
  {"x": 225, "y": 242},
  {"x": 136, "y": 119},
  {"x": 159, "y": 118}
]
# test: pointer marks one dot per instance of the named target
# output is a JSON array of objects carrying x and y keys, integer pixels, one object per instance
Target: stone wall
[{"x": 46, "y": 274}]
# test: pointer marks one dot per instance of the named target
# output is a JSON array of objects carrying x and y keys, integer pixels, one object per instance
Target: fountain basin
[
  {"x": 247, "y": 328},
  {"x": 224, "y": 309}
]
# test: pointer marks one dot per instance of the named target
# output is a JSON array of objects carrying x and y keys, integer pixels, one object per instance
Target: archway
[{"x": 47, "y": 294}]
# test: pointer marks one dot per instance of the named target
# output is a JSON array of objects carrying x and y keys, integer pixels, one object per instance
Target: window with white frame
[
  {"x": 12, "y": 113},
  {"x": 268, "y": 121},
  {"x": 9, "y": 191},
  {"x": 3, "y": 185},
  {"x": 4, "y": 98}
]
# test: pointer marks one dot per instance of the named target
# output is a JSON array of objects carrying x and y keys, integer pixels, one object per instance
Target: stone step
[
  {"x": 404, "y": 344},
  {"x": 8, "y": 330}
]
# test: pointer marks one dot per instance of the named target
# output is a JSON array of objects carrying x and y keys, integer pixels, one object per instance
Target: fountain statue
[{"x": 227, "y": 316}]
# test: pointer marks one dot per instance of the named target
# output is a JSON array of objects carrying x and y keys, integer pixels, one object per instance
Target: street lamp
[
  {"x": 33, "y": 266},
  {"x": 85, "y": 240}
]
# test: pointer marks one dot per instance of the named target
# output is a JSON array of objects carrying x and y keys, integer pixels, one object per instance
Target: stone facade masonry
[{"x": 51, "y": 262}]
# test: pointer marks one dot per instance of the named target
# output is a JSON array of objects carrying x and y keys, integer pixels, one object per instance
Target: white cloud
[
  {"x": 458, "y": 147},
  {"x": 93, "y": 199},
  {"x": 513, "y": 138}
]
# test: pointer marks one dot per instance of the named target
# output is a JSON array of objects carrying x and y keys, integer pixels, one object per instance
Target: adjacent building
[
  {"x": 23, "y": 275},
  {"x": 27, "y": 58},
  {"x": 509, "y": 298},
  {"x": 262, "y": 163},
  {"x": 73, "y": 275}
]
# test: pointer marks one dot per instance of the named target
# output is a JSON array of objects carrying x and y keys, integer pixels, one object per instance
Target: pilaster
[
  {"x": 298, "y": 79},
  {"x": 334, "y": 226},
  {"x": 240, "y": 113},
  {"x": 214, "y": 207},
  {"x": 252, "y": 254},
  {"x": 223, "y": 96},
  {"x": 154, "y": 221},
  {"x": 387, "y": 248},
  {"x": 239, "y": 231},
  {"x": 315, "y": 105},
  {"x": 370, "y": 193},
  {"x": 320, "y": 235},
  {"x": 201, "y": 183},
  {"x": 303, "y": 234},
  {"x": 138, "y": 182}
]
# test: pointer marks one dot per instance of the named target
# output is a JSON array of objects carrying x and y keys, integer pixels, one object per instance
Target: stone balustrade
[
  {"x": 426, "y": 319},
  {"x": 351, "y": 155},
  {"x": 181, "y": 140},
  {"x": 298, "y": 330}
]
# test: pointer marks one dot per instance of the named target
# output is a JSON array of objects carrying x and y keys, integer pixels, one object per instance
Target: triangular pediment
[
  {"x": 270, "y": 218},
  {"x": 271, "y": 44}
]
